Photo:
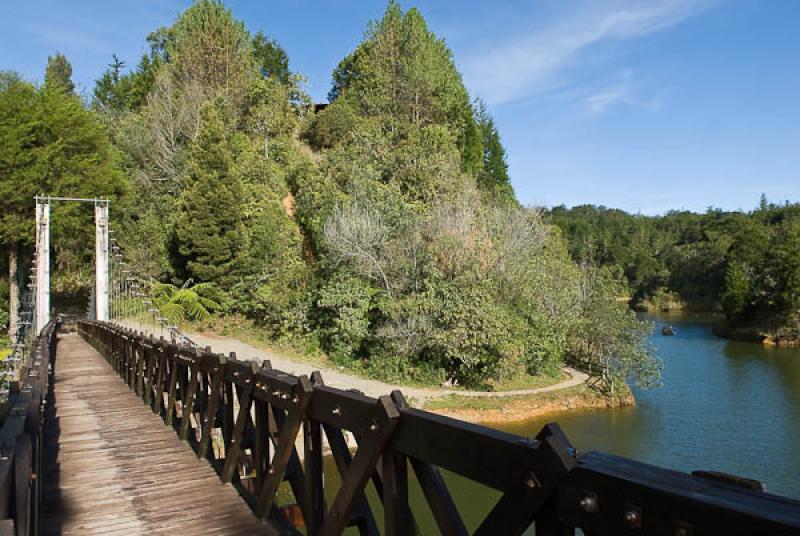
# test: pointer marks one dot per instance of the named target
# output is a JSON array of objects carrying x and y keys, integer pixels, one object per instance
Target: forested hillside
[
  {"x": 745, "y": 264},
  {"x": 381, "y": 227}
]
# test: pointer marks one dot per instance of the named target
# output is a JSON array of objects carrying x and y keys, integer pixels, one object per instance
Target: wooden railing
[
  {"x": 21, "y": 438},
  {"x": 246, "y": 420}
]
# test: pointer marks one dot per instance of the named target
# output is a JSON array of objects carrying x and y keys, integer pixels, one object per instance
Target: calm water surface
[{"x": 724, "y": 405}]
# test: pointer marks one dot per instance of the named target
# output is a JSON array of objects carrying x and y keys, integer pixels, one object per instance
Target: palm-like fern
[{"x": 179, "y": 304}]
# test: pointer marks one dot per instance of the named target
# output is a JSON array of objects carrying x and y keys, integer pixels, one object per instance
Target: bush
[
  {"x": 400, "y": 369},
  {"x": 472, "y": 338},
  {"x": 344, "y": 303}
]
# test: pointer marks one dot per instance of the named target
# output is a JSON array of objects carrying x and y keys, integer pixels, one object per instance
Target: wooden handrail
[
  {"x": 21, "y": 439},
  {"x": 246, "y": 420}
]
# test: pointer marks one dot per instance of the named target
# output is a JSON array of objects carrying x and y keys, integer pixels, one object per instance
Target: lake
[{"x": 724, "y": 405}]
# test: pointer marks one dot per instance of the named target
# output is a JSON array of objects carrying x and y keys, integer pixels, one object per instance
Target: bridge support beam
[
  {"x": 101, "y": 260},
  {"x": 42, "y": 264}
]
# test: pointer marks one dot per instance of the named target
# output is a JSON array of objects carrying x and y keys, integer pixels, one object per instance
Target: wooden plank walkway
[{"x": 113, "y": 467}]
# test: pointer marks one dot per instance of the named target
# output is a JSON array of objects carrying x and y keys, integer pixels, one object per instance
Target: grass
[
  {"x": 528, "y": 381},
  {"x": 496, "y": 403}
]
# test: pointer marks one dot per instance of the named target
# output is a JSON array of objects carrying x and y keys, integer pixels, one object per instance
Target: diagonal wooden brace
[
  {"x": 371, "y": 447},
  {"x": 284, "y": 449}
]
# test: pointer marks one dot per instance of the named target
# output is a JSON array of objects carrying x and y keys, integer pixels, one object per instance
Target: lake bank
[
  {"x": 496, "y": 410},
  {"x": 757, "y": 335}
]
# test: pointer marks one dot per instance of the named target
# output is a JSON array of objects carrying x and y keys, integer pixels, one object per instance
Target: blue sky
[{"x": 644, "y": 105}]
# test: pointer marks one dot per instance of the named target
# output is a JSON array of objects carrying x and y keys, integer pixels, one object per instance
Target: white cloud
[
  {"x": 621, "y": 91},
  {"x": 537, "y": 62}
]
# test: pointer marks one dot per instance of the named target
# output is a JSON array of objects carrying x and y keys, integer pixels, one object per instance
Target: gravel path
[{"x": 339, "y": 378}]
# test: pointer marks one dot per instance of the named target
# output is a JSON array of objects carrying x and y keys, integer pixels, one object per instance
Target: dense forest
[
  {"x": 380, "y": 227},
  {"x": 744, "y": 264}
]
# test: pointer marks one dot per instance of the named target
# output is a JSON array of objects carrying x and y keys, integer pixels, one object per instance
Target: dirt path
[{"x": 341, "y": 379}]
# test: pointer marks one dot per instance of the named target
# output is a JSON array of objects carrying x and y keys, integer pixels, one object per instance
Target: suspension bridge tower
[{"x": 42, "y": 257}]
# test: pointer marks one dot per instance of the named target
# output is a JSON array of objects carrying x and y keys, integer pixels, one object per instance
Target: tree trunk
[{"x": 13, "y": 289}]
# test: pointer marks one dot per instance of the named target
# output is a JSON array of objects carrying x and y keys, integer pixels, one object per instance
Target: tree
[
  {"x": 116, "y": 92},
  {"x": 737, "y": 290},
  {"x": 59, "y": 73},
  {"x": 18, "y": 121},
  {"x": 403, "y": 74},
  {"x": 209, "y": 46},
  {"x": 788, "y": 260},
  {"x": 493, "y": 176},
  {"x": 52, "y": 145},
  {"x": 208, "y": 226},
  {"x": 268, "y": 112},
  {"x": 270, "y": 58},
  {"x": 611, "y": 336}
]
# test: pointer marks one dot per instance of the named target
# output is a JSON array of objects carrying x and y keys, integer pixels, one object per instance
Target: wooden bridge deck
[{"x": 112, "y": 467}]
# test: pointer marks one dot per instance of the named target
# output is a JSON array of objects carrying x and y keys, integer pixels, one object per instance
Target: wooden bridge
[{"x": 111, "y": 432}]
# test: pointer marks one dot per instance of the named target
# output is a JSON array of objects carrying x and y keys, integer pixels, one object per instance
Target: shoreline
[
  {"x": 754, "y": 335},
  {"x": 511, "y": 409}
]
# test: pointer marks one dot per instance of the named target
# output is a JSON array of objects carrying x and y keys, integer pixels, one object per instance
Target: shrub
[{"x": 344, "y": 303}]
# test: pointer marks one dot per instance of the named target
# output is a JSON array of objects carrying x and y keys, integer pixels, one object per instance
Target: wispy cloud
[
  {"x": 622, "y": 90},
  {"x": 529, "y": 64}
]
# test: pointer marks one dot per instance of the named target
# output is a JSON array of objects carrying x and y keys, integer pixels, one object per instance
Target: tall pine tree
[
  {"x": 493, "y": 176},
  {"x": 208, "y": 228},
  {"x": 59, "y": 73},
  {"x": 402, "y": 74}
]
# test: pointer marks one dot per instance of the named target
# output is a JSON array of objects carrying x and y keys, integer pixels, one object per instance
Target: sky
[{"x": 644, "y": 105}]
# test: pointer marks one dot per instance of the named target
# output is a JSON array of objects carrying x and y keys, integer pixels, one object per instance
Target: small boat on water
[{"x": 668, "y": 331}]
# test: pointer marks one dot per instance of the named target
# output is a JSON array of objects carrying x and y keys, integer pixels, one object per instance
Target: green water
[{"x": 724, "y": 405}]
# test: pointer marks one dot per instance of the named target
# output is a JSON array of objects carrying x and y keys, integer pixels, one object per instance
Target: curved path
[{"x": 375, "y": 388}]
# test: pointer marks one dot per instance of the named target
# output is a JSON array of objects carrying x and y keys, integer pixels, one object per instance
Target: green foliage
[
  {"x": 744, "y": 263},
  {"x": 274, "y": 287},
  {"x": 268, "y": 112},
  {"x": 402, "y": 74},
  {"x": 178, "y": 304},
  {"x": 20, "y": 120},
  {"x": 207, "y": 45},
  {"x": 116, "y": 92},
  {"x": 344, "y": 303},
  {"x": 270, "y": 58},
  {"x": 208, "y": 227},
  {"x": 610, "y": 336},
  {"x": 52, "y": 144},
  {"x": 473, "y": 338},
  {"x": 737, "y": 290},
  {"x": 493, "y": 176},
  {"x": 331, "y": 125},
  {"x": 58, "y": 73},
  {"x": 786, "y": 266},
  {"x": 393, "y": 237}
]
